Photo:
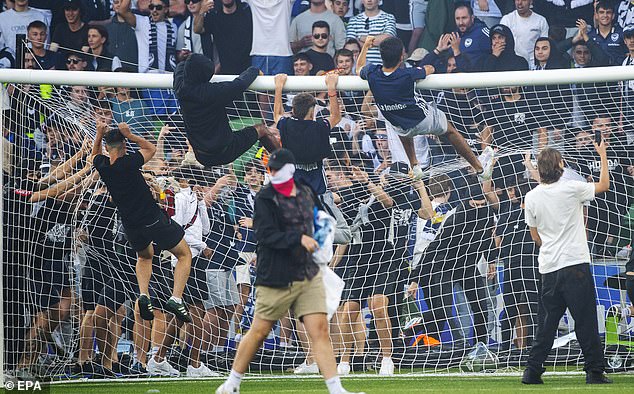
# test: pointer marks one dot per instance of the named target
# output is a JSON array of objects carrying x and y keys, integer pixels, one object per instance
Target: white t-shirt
[
  {"x": 187, "y": 39},
  {"x": 142, "y": 31},
  {"x": 271, "y": 26},
  {"x": 526, "y": 31},
  {"x": 13, "y": 23},
  {"x": 556, "y": 211}
]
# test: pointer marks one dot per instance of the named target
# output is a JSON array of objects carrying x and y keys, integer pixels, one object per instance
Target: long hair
[{"x": 548, "y": 165}]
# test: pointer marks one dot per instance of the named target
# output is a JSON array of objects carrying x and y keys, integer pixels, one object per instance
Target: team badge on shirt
[
  {"x": 615, "y": 37},
  {"x": 468, "y": 42}
]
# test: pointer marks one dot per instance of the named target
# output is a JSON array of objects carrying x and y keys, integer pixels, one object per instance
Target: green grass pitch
[{"x": 623, "y": 383}]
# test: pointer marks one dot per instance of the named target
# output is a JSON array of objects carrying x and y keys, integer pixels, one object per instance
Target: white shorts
[
  {"x": 222, "y": 289},
  {"x": 434, "y": 123},
  {"x": 243, "y": 274}
]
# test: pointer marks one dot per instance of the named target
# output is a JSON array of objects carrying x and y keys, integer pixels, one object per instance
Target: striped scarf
[{"x": 170, "y": 53}]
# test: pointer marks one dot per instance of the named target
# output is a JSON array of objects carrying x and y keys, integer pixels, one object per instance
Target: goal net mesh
[{"x": 456, "y": 291}]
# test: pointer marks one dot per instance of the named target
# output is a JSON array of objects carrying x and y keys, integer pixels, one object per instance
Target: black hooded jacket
[
  {"x": 203, "y": 103},
  {"x": 508, "y": 60}
]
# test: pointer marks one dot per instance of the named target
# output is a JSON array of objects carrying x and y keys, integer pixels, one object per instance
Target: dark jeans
[
  {"x": 239, "y": 142},
  {"x": 520, "y": 297},
  {"x": 573, "y": 288}
]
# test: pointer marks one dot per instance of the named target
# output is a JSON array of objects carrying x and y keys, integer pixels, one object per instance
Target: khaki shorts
[{"x": 303, "y": 297}]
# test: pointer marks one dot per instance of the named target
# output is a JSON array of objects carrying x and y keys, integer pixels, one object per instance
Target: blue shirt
[
  {"x": 394, "y": 94},
  {"x": 613, "y": 45}
]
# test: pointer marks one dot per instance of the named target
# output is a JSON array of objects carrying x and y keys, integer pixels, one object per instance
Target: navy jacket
[{"x": 475, "y": 42}]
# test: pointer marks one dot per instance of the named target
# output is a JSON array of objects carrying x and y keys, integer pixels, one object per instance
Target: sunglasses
[
  {"x": 380, "y": 136},
  {"x": 323, "y": 36},
  {"x": 157, "y": 7},
  {"x": 192, "y": 1},
  {"x": 73, "y": 61}
]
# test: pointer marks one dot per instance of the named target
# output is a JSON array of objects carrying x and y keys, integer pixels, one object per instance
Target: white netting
[{"x": 69, "y": 279}]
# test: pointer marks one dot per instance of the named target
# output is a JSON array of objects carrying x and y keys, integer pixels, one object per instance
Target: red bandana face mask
[{"x": 283, "y": 181}]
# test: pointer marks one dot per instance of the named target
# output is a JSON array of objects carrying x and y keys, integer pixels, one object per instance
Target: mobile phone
[{"x": 597, "y": 136}]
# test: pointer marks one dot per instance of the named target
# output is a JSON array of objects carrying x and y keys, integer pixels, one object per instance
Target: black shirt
[
  {"x": 514, "y": 122},
  {"x": 221, "y": 238},
  {"x": 463, "y": 112},
  {"x": 48, "y": 61},
  {"x": 70, "y": 40},
  {"x": 233, "y": 35},
  {"x": 517, "y": 244},
  {"x": 128, "y": 189},
  {"x": 320, "y": 61},
  {"x": 310, "y": 143}
]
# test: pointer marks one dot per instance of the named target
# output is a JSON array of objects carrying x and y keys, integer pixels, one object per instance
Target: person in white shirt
[
  {"x": 487, "y": 11},
  {"x": 190, "y": 213},
  {"x": 527, "y": 26},
  {"x": 554, "y": 214},
  {"x": 188, "y": 40},
  {"x": 16, "y": 21},
  {"x": 271, "y": 50},
  {"x": 155, "y": 34}
]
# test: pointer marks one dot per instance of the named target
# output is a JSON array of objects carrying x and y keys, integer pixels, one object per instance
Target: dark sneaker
[
  {"x": 597, "y": 378},
  {"x": 531, "y": 377},
  {"x": 179, "y": 310},
  {"x": 145, "y": 307},
  {"x": 137, "y": 369}
]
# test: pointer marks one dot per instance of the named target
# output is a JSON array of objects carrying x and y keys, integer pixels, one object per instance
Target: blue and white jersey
[{"x": 395, "y": 94}]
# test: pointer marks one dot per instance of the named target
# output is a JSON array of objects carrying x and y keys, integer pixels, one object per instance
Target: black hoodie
[
  {"x": 203, "y": 103},
  {"x": 508, "y": 60}
]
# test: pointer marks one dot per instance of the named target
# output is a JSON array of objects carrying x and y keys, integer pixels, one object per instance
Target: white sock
[
  {"x": 234, "y": 379},
  {"x": 178, "y": 300},
  {"x": 334, "y": 385}
]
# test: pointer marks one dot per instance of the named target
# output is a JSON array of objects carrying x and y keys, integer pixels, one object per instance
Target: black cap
[
  {"x": 72, "y": 4},
  {"x": 280, "y": 157},
  {"x": 628, "y": 31}
]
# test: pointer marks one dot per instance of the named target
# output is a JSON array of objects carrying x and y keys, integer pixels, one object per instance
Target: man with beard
[
  {"x": 474, "y": 35},
  {"x": 155, "y": 34}
]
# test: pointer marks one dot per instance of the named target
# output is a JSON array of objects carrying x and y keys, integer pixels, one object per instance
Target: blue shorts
[{"x": 272, "y": 65}]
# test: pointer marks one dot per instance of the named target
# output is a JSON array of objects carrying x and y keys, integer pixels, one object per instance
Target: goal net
[{"x": 454, "y": 292}]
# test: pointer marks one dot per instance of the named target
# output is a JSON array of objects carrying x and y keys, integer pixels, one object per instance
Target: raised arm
[
  {"x": 335, "y": 109},
  {"x": 364, "y": 53},
  {"x": 199, "y": 18},
  {"x": 126, "y": 13},
  {"x": 375, "y": 189},
  {"x": 278, "y": 106},
  {"x": 604, "y": 178},
  {"x": 66, "y": 167},
  {"x": 102, "y": 128},
  {"x": 426, "y": 210},
  {"x": 146, "y": 148}
]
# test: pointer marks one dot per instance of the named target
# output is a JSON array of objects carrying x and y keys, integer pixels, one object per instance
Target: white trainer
[
  {"x": 343, "y": 368},
  {"x": 201, "y": 372},
  {"x": 304, "y": 369},
  {"x": 387, "y": 367},
  {"x": 223, "y": 389},
  {"x": 163, "y": 368},
  {"x": 486, "y": 159}
]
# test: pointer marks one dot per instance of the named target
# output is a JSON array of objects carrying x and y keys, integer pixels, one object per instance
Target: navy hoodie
[
  {"x": 475, "y": 42},
  {"x": 203, "y": 103},
  {"x": 508, "y": 60}
]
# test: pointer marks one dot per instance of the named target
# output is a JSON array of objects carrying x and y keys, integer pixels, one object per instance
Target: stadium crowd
[{"x": 69, "y": 271}]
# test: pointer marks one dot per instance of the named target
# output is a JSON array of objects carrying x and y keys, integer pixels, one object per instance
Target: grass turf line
[{"x": 623, "y": 383}]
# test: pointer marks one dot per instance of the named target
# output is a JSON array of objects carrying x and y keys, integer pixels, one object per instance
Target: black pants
[
  {"x": 520, "y": 289},
  {"x": 573, "y": 288},
  {"x": 238, "y": 143}
]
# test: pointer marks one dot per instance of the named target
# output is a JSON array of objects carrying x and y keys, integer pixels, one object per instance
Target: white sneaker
[
  {"x": 223, "y": 389},
  {"x": 417, "y": 172},
  {"x": 163, "y": 368},
  {"x": 387, "y": 367},
  {"x": 486, "y": 160},
  {"x": 201, "y": 372},
  {"x": 304, "y": 369},
  {"x": 343, "y": 369}
]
